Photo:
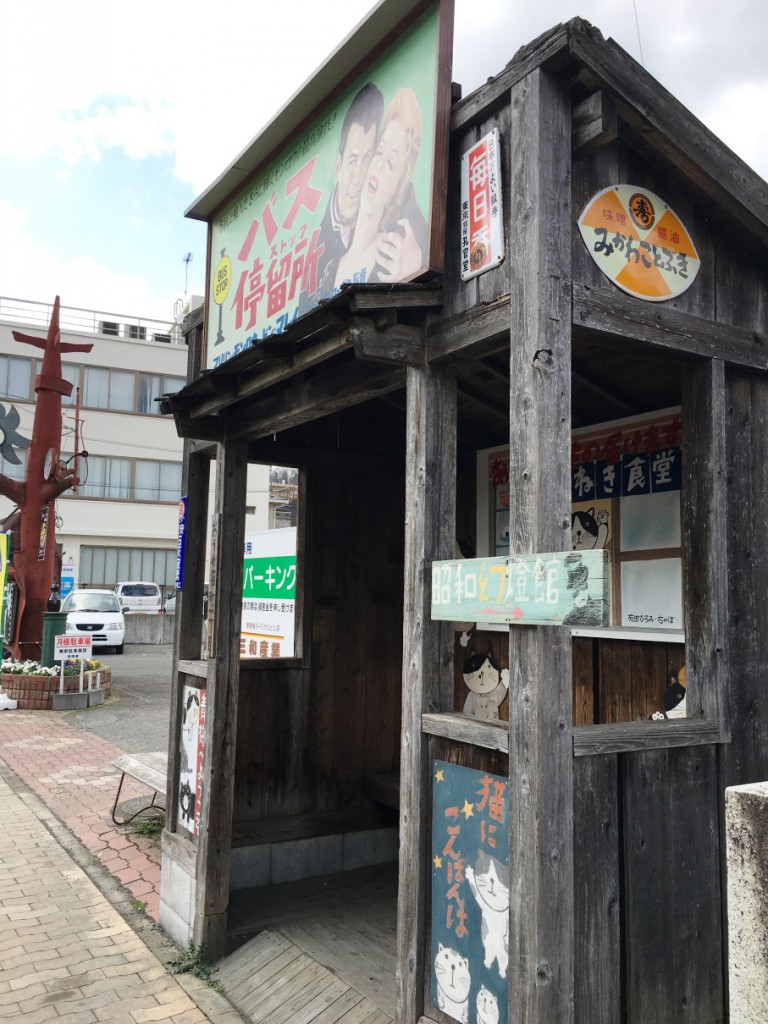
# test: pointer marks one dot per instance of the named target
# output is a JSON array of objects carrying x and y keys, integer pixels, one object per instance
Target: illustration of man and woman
[{"x": 374, "y": 229}]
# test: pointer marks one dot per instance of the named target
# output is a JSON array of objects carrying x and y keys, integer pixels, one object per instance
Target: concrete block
[
  {"x": 69, "y": 701},
  {"x": 95, "y": 697},
  {"x": 177, "y": 891},
  {"x": 306, "y": 858},
  {"x": 250, "y": 867},
  {"x": 374, "y": 846},
  {"x": 746, "y": 831},
  {"x": 174, "y": 926}
]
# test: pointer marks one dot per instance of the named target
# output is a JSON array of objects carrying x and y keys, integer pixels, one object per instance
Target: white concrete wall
[{"x": 746, "y": 824}]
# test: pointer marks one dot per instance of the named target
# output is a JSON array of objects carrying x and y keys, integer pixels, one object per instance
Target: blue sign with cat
[{"x": 470, "y": 894}]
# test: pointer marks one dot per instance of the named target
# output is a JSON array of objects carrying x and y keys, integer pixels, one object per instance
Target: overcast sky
[{"x": 113, "y": 118}]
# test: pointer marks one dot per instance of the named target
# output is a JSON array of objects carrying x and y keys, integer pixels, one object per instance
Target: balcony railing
[{"x": 73, "y": 320}]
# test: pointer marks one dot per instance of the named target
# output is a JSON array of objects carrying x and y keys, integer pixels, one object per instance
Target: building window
[
  {"x": 15, "y": 377},
  {"x": 105, "y": 477},
  {"x": 107, "y": 566},
  {"x": 13, "y": 471},
  {"x": 137, "y": 333},
  {"x": 108, "y": 389},
  {"x": 152, "y": 386},
  {"x": 157, "y": 481}
]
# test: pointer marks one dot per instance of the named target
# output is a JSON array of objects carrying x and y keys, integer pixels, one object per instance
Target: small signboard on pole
[{"x": 69, "y": 646}]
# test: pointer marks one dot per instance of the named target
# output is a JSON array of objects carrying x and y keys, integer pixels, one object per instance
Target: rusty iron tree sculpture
[{"x": 32, "y": 561}]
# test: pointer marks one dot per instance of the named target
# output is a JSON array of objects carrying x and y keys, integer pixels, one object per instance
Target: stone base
[{"x": 68, "y": 701}]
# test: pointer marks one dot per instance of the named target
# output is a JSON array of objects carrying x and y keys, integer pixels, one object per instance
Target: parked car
[
  {"x": 139, "y": 596},
  {"x": 96, "y": 612},
  {"x": 169, "y": 604}
]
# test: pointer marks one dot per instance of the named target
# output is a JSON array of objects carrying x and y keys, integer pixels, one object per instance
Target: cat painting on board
[
  {"x": 487, "y": 1007},
  {"x": 453, "y": 983},
  {"x": 489, "y": 882}
]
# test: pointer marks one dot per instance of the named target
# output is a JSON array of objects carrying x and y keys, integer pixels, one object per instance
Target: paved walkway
[
  {"x": 66, "y": 954},
  {"x": 71, "y": 771}
]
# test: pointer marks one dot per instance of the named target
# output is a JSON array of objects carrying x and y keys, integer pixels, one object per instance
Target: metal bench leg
[{"x": 141, "y": 810}]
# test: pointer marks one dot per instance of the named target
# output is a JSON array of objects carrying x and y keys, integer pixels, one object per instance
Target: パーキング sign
[{"x": 639, "y": 243}]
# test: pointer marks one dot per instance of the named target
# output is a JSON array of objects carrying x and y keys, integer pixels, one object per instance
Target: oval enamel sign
[{"x": 639, "y": 243}]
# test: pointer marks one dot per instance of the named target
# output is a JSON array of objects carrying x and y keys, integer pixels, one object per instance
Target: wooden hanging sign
[{"x": 563, "y": 588}]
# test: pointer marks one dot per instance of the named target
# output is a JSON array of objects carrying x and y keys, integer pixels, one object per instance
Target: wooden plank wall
[
  {"x": 307, "y": 735},
  {"x": 745, "y": 758}
]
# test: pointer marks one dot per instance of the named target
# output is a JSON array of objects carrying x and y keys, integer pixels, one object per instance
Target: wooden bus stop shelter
[{"x": 382, "y": 397}]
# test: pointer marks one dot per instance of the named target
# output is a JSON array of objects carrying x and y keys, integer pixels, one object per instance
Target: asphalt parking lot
[{"x": 136, "y": 716}]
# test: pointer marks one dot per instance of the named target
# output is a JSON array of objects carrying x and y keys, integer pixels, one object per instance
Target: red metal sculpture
[{"x": 32, "y": 562}]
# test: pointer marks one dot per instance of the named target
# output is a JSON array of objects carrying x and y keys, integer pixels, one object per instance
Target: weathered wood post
[
  {"x": 223, "y": 675},
  {"x": 541, "y": 933},
  {"x": 430, "y": 516}
]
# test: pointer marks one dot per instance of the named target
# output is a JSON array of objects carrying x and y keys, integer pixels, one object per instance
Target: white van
[{"x": 139, "y": 596}]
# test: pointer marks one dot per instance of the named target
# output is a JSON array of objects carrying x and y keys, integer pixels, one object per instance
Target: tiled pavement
[
  {"x": 70, "y": 770},
  {"x": 66, "y": 954}
]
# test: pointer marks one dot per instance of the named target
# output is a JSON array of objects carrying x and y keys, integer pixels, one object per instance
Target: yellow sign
[
  {"x": 5, "y": 539},
  {"x": 222, "y": 279},
  {"x": 639, "y": 243}
]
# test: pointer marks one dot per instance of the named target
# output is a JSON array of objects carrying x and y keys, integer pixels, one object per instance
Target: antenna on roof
[{"x": 188, "y": 257}]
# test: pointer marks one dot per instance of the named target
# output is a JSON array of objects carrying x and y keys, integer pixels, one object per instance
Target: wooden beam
[
  {"x": 327, "y": 393},
  {"x": 203, "y": 428},
  {"x": 673, "y": 130},
  {"x": 474, "y": 333},
  {"x": 399, "y": 344},
  {"x": 364, "y": 301},
  {"x": 264, "y": 376},
  {"x": 479, "y": 104},
  {"x": 622, "y": 738},
  {"x": 542, "y": 927},
  {"x": 595, "y": 122},
  {"x": 188, "y": 620},
  {"x": 609, "y": 311},
  {"x": 215, "y": 839},
  {"x": 427, "y": 654},
  {"x": 705, "y": 536}
]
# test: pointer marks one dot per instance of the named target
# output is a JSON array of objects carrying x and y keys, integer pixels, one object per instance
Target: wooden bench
[{"x": 149, "y": 769}]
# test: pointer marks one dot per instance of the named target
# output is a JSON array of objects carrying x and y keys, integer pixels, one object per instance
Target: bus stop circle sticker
[{"x": 639, "y": 243}]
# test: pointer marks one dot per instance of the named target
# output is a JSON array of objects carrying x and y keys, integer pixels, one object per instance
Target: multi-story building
[{"x": 121, "y": 523}]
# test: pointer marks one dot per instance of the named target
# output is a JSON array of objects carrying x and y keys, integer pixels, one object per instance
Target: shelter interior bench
[{"x": 150, "y": 769}]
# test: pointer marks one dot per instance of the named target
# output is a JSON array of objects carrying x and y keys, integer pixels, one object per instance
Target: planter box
[{"x": 35, "y": 693}]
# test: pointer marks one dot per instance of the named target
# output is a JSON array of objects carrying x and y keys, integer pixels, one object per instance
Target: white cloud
[{"x": 30, "y": 270}]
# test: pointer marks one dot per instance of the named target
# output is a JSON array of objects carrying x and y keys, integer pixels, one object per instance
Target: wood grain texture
[
  {"x": 188, "y": 625},
  {"x": 613, "y": 313},
  {"x": 705, "y": 539},
  {"x": 427, "y": 672},
  {"x": 215, "y": 838},
  {"x": 541, "y": 935},
  {"x": 597, "y": 845},
  {"x": 672, "y": 887}
]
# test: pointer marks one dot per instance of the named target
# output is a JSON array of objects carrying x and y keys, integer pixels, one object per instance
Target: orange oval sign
[{"x": 639, "y": 243}]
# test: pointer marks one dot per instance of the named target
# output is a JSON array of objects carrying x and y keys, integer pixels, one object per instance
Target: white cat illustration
[
  {"x": 487, "y": 1007},
  {"x": 490, "y": 887},
  {"x": 453, "y": 982}
]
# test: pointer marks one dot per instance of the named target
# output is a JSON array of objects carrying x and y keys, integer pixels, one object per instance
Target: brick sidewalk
[
  {"x": 71, "y": 771},
  {"x": 66, "y": 954}
]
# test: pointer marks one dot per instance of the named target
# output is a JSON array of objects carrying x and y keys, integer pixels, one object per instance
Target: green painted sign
[
  {"x": 563, "y": 588},
  {"x": 270, "y": 578}
]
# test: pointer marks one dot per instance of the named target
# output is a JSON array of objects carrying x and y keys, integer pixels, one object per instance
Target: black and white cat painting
[
  {"x": 489, "y": 882},
  {"x": 453, "y": 983}
]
